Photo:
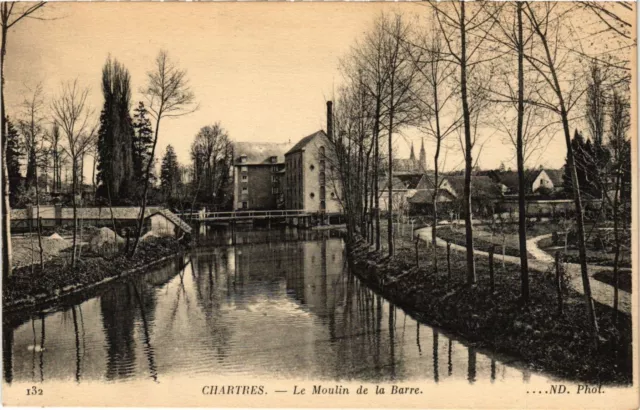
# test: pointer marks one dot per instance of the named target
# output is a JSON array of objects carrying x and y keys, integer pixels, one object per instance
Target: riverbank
[
  {"x": 29, "y": 286},
  {"x": 536, "y": 334}
]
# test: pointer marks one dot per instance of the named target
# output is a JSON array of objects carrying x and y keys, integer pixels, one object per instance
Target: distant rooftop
[
  {"x": 258, "y": 153},
  {"x": 303, "y": 142}
]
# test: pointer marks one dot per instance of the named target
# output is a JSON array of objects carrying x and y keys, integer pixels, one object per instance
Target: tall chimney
[{"x": 330, "y": 120}]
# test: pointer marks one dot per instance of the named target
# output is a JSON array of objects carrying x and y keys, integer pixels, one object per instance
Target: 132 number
[{"x": 34, "y": 391}]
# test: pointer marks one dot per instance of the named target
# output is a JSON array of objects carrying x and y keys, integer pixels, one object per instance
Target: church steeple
[
  {"x": 412, "y": 157},
  {"x": 423, "y": 157}
]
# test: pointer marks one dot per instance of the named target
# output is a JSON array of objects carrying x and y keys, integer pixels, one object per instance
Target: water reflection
[{"x": 279, "y": 303}]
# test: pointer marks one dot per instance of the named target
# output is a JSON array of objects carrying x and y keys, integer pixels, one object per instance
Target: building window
[
  {"x": 274, "y": 159},
  {"x": 244, "y": 177},
  {"x": 322, "y": 164},
  {"x": 323, "y": 205},
  {"x": 274, "y": 178},
  {"x": 245, "y": 189},
  {"x": 245, "y": 205},
  {"x": 312, "y": 195},
  {"x": 243, "y": 159},
  {"x": 311, "y": 167},
  {"x": 274, "y": 168},
  {"x": 322, "y": 151},
  {"x": 333, "y": 195},
  {"x": 244, "y": 169}
]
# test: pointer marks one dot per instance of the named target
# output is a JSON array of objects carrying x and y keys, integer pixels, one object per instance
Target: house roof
[
  {"x": 397, "y": 184},
  {"x": 305, "y": 141},
  {"x": 260, "y": 153},
  {"x": 410, "y": 181},
  {"x": 425, "y": 196},
  {"x": 482, "y": 186},
  {"x": 510, "y": 179},
  {"x": 556, "y": 176}
]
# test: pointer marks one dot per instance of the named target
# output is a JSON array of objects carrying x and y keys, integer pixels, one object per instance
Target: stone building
[
  {"x": 258, "y": 171},
  {"x": 308, "y": 182}
]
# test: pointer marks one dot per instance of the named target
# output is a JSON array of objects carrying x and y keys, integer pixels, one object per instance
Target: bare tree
[
  {"x": 168, "y": 95},
  {"x": 442, "y": 114},
  {"x": 33, "y": 133},
  {"x": 74, "y": 117},
  {"x": 620, "y": 149},
  {"x": 464, "y": 36},
  {"x": 550, "y": 58},
  {"x": 402, "y": 107},
  {"x": 11, "y": 13},
  {"x": 211, "y": 155},
  {"x": 367, "y": 62}
]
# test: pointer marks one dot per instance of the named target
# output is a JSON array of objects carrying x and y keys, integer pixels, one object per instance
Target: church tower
[
  {"x": 412, "y": 157},
  {"x": 423, "y": 157}
]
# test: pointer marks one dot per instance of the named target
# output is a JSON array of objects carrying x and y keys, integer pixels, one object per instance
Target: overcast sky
[{"x": 263, "y": 70}]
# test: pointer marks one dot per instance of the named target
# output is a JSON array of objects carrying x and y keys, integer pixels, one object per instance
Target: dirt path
[{"x": 542, "y": 262}]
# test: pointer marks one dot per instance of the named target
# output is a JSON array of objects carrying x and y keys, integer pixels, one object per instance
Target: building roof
[
  {"x": 305, "y": 141},
  {"x": 410, "y": 181},
  {"x": 260, "y": 153},
  {"x": 173, "y": 218},
  {"x": 405, "y": 165},
  {"x": 425, "y": 196},
  {"x": 510, "y": 179},
  {"x": 556, "y": 176},
  {"x": 482, "y": 186}
]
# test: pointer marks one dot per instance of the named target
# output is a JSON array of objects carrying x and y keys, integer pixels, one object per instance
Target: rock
[
  {"x": 148, "y": 235},
  {"x": 56, "y": 237},
  {"x": 104, "y": 236}
]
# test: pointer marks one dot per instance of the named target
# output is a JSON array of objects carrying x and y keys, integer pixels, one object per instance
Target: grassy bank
[
  {"x": 29, "y": 285},
  {"x": 535, "y": 333}
]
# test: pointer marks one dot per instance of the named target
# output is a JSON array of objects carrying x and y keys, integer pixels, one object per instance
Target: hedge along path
[{"x": 542, "y": 262}]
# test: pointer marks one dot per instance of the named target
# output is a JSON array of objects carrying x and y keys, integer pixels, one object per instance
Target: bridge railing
[{"x": 241, "y": 214}]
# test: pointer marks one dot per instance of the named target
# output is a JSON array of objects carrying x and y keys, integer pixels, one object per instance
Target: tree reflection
[
  {"x": 471, "y": 370},
  {"x": 117, "y": 308},
  {"x": 7, "y": 353}
]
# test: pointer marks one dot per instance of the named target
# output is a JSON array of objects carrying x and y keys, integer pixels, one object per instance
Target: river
[{"x": 279, "y": 303}]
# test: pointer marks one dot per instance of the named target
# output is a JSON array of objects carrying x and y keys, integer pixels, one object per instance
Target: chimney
[{"x": 330, "y": 120}]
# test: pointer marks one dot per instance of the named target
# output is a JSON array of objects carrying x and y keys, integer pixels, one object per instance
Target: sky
[{"x": 263, "y": 70}]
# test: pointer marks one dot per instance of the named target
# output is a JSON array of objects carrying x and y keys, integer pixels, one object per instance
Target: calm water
[{"x": 279, "y": 303}]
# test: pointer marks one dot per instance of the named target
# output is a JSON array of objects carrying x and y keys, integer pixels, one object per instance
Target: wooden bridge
[{"x": 229, "y": 216}]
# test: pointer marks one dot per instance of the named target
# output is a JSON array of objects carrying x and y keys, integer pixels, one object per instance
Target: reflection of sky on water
[{"x": 278, "y": 309}]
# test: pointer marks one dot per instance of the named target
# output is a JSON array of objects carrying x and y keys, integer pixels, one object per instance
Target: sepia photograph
[{"x": 320, "y": 204}]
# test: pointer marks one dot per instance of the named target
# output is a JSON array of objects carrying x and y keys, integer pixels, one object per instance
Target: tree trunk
[
  {"x": 146, "y": 189},
  {"x": 39, "y": 230},
  {"x": 471, "y": 266},
  {"x": 74, "y": 171},
  {"x": 376, "y": 164},
  {"x": 7, "y": 263},
  {"x": 390, "y": 205},
  {"x": 522, "y": 212},
  {"x": 616, "y": 259}
]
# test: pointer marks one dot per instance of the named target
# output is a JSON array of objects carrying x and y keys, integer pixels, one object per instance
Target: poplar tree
[{"x": 115, "y": 135}]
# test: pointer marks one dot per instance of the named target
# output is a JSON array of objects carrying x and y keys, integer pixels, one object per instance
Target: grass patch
[
  {"x": 560, "y": 345},
  {"x": 624, "y": 279},
  {"x": 30, "y": 282}
]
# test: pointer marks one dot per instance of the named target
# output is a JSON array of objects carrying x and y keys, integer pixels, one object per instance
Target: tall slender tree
[
  {"x": 13, "y": 157},
  {"x": 464, "y": 34},
  {"x": 549, "y": 57},
  {"x": 170, "y": 175},
  {"x": 72, "y": 113},
  {"x": 11, "y": 13},
  {"x": 168, "y": 95},
  {"x": 142, "y": 142},
  {"x": 116, "y": 134}
]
